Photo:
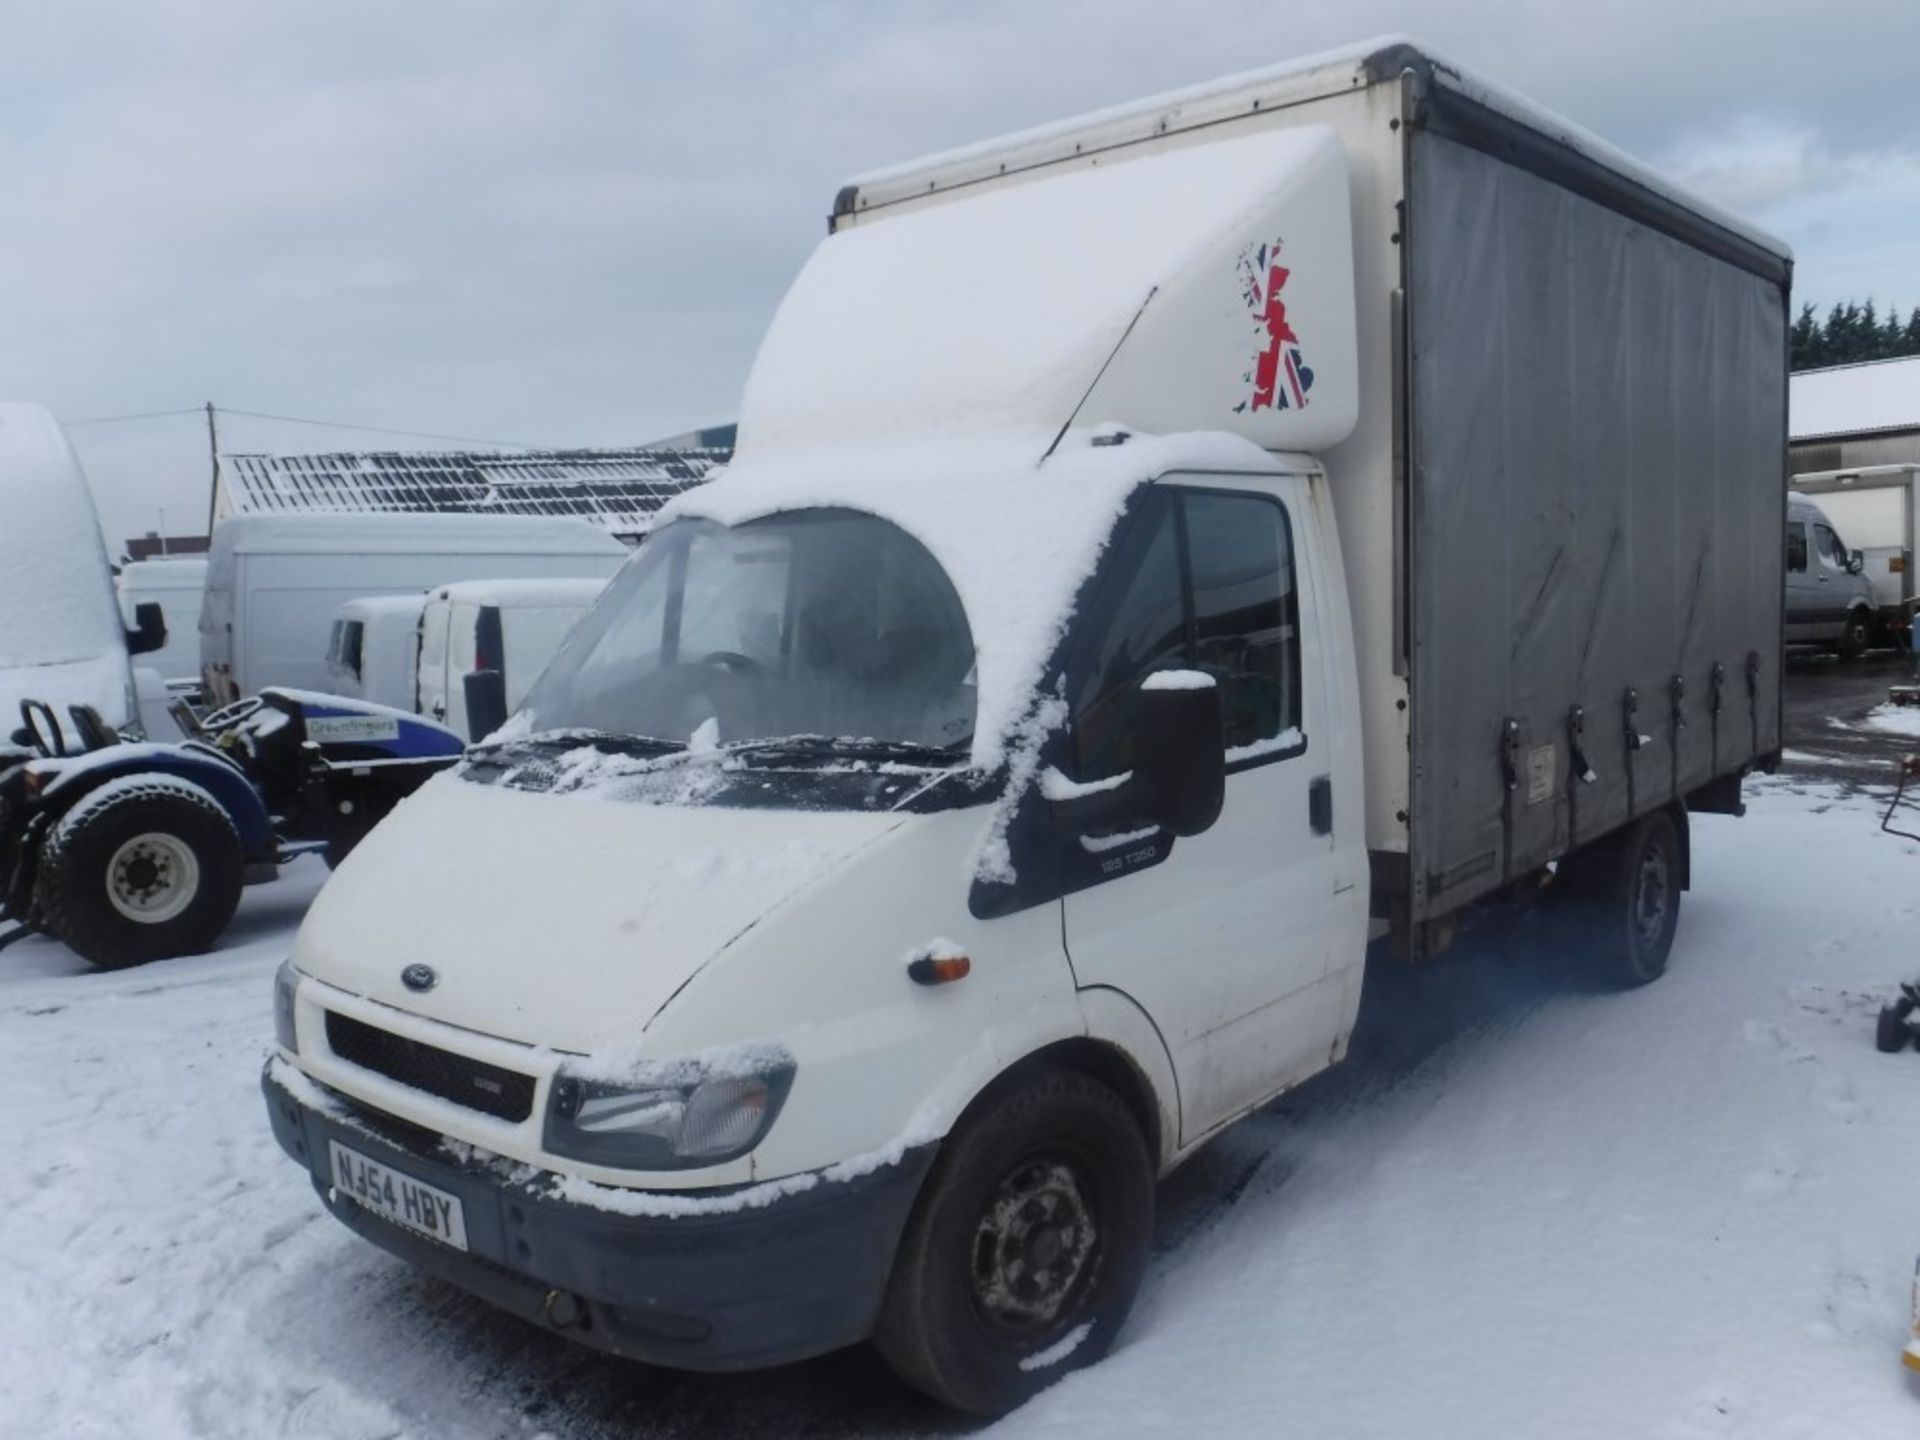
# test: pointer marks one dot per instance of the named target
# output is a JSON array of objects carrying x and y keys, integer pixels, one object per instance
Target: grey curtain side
[{"x": 1596, "y": 493}]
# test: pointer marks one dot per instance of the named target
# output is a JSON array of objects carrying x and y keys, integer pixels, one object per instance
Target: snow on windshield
[
  {"x": 828, "y": 623},
  {"x": 58, "y": 604},
  {"x": 1016, "y": 538}
]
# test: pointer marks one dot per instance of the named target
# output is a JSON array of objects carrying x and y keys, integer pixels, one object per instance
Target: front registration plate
[{"x": 396, "y": 1197}]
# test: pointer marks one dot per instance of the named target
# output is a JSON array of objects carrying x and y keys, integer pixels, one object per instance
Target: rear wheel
[
  {"x": 139, "y": 871},
  {"x": 1026, "y": 1247},
  {"x": 1625, "y": 901}
]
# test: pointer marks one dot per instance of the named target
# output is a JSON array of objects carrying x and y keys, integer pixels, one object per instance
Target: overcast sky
[{"x": 568, "y": 221}]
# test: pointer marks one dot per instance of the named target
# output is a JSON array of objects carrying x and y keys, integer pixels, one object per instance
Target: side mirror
[
  {"x": 1856, "y": 562},
  {"x": 486, "y": 702},
  {"x": 1182, "y": 764},
  {"x": 149, "y": 631}
]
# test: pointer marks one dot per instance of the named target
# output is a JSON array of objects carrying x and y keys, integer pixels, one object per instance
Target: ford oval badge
[{"x": 419, "y": 977}]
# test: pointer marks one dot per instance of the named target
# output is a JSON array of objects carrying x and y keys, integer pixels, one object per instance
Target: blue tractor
[{"x": 128, "y": 851}]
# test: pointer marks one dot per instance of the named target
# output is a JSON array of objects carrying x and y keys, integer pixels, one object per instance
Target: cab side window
[
  {"x": 1146, "y": 631},
  {"x": 1204, "y": 581},
  {"x": 1832, "y": 553},
  {"x": 1245, "y": 612},
  {"x": 1796, "y": 546}
]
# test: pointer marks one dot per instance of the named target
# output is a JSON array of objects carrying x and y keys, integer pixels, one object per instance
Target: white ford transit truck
[{"x": 1164, "y": 551}]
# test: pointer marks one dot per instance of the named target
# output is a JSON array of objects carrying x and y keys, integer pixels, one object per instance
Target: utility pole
[{"x": 213, "y": 452}]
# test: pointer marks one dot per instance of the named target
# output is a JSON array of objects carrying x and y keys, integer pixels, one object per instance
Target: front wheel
[
  {"x": 1625, "y": 893},
  {"x": 145, "y": 868},
  {"x": 1856, "y": 637},
  {"x": 1026, "y": 1247},
  {"x": 1890, "y": 1035}
]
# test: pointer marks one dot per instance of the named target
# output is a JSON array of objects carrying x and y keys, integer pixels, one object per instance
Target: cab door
[
  {"x": 430, "y": 695},
  {"x": 1225, "y": 942}
]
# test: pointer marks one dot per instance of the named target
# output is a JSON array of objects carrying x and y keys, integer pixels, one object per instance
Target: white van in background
[
  {"x": 1876, "y": 508},
  {"x": 62, "y": 639},
  {"x": 175, "y": 584},
  {"x": 513, "y": 626},
  {"x": 274, "y": 582},
  {"x": 373, "y": 652}
]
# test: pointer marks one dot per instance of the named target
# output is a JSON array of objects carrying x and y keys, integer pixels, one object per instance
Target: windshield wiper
[
  {"x": 841, "y": 747},
  {"x": 645, "y": 746}
]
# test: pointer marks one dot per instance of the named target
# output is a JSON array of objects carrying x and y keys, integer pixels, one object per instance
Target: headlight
[
  {"x": 668, "y": 1116},
  {"x": 284, "y": 980}
]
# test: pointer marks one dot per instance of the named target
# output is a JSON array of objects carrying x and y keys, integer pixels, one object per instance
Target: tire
[
  {"x": 1054, "y": 1162},
  {"x": 1625, "y": 893},
  {"x": 140, "y": 870},
  {"x": 1890, "y": 1034},
  {"x": 1856, "y": 637}
]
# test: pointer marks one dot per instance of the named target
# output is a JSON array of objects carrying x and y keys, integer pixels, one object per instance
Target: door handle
[{"x": 1320, "y": 805}]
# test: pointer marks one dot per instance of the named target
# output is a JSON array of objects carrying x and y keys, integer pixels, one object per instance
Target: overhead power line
[
  {"x": 142, "y": 415},
  {"x": 376, "y": 429},
  {"x": 305, "y": 420}
]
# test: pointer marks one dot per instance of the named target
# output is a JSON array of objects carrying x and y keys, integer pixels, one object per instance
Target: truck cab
[{"x": 512, "y": 627}]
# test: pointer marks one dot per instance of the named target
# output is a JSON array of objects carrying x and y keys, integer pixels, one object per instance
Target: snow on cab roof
[
  {"x": 1327, "y": 72},
  {"x": 547, "y": 591},
  {"x": 1015, "y": 536},
  {"x": 1854, "y": 399},
  {"x": 368, "y": 607}
]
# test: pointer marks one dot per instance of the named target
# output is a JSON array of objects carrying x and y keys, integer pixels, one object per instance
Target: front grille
[{"x": 473, "y": 1083}]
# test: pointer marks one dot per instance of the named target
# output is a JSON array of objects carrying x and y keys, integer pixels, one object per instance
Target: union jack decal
[{"x": 1280, "y": 377}]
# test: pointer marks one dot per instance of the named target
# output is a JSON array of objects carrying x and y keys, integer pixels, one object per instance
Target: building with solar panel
[{"x": 618, "y": 489}]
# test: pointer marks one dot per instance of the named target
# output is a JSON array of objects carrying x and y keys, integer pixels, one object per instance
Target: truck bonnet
[{"x": 559, "y": 920}]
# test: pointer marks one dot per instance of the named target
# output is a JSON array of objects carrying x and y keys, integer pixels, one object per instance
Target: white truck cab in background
[
  {"x": 512, "y": 626},
  {"x": 373, "y": 650},
  {"x": 62, "y": 639},
  {"x": 175, "y": 583},
  {"x": 274, "y": 582},
  {"x": 985, "y": 791}
]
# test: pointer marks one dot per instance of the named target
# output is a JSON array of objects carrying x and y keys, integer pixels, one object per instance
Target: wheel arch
[
  {"x": 229, "y": 789},
  {"x": 1119, "y": 1048},
  {"x": 1683, "y": 829}
]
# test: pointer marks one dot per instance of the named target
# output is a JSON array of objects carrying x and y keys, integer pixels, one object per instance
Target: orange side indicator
[{"x": 938, "y": 965}]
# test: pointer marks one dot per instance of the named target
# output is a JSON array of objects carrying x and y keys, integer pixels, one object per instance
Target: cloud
[
  {"x": 1758, "y": 165},
  {"x": 571, "y": 222}
]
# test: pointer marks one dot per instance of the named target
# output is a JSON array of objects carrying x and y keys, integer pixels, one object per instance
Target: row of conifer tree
[{"x": 1852, "y": 333}]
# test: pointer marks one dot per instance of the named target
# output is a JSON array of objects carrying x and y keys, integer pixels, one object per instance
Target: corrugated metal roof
[
  {"x": 619, "y": 489},
  {"x": 1854, "y": 399}
]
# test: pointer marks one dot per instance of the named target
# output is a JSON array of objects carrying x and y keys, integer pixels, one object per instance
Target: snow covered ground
[{"x": 1521, "y": 1209}]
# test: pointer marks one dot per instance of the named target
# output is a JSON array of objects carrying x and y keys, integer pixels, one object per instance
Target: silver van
[{"x": 1829, "y": 598}]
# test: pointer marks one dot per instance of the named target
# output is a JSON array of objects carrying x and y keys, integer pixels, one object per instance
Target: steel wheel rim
[
  {"x": 1652, "y": 897},
  {"x": 1035, "y": 1247},
  {"x": 153, "y": 878}
]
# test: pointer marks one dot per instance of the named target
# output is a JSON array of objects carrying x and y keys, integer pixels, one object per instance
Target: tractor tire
[{"x": 145, "y": 868}]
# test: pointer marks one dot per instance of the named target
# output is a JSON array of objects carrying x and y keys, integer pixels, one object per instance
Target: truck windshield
[{"x": 826, "y": 624}]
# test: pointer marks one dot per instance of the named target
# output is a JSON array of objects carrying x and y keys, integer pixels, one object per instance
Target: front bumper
[{"x": 728, "y": 1289}]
